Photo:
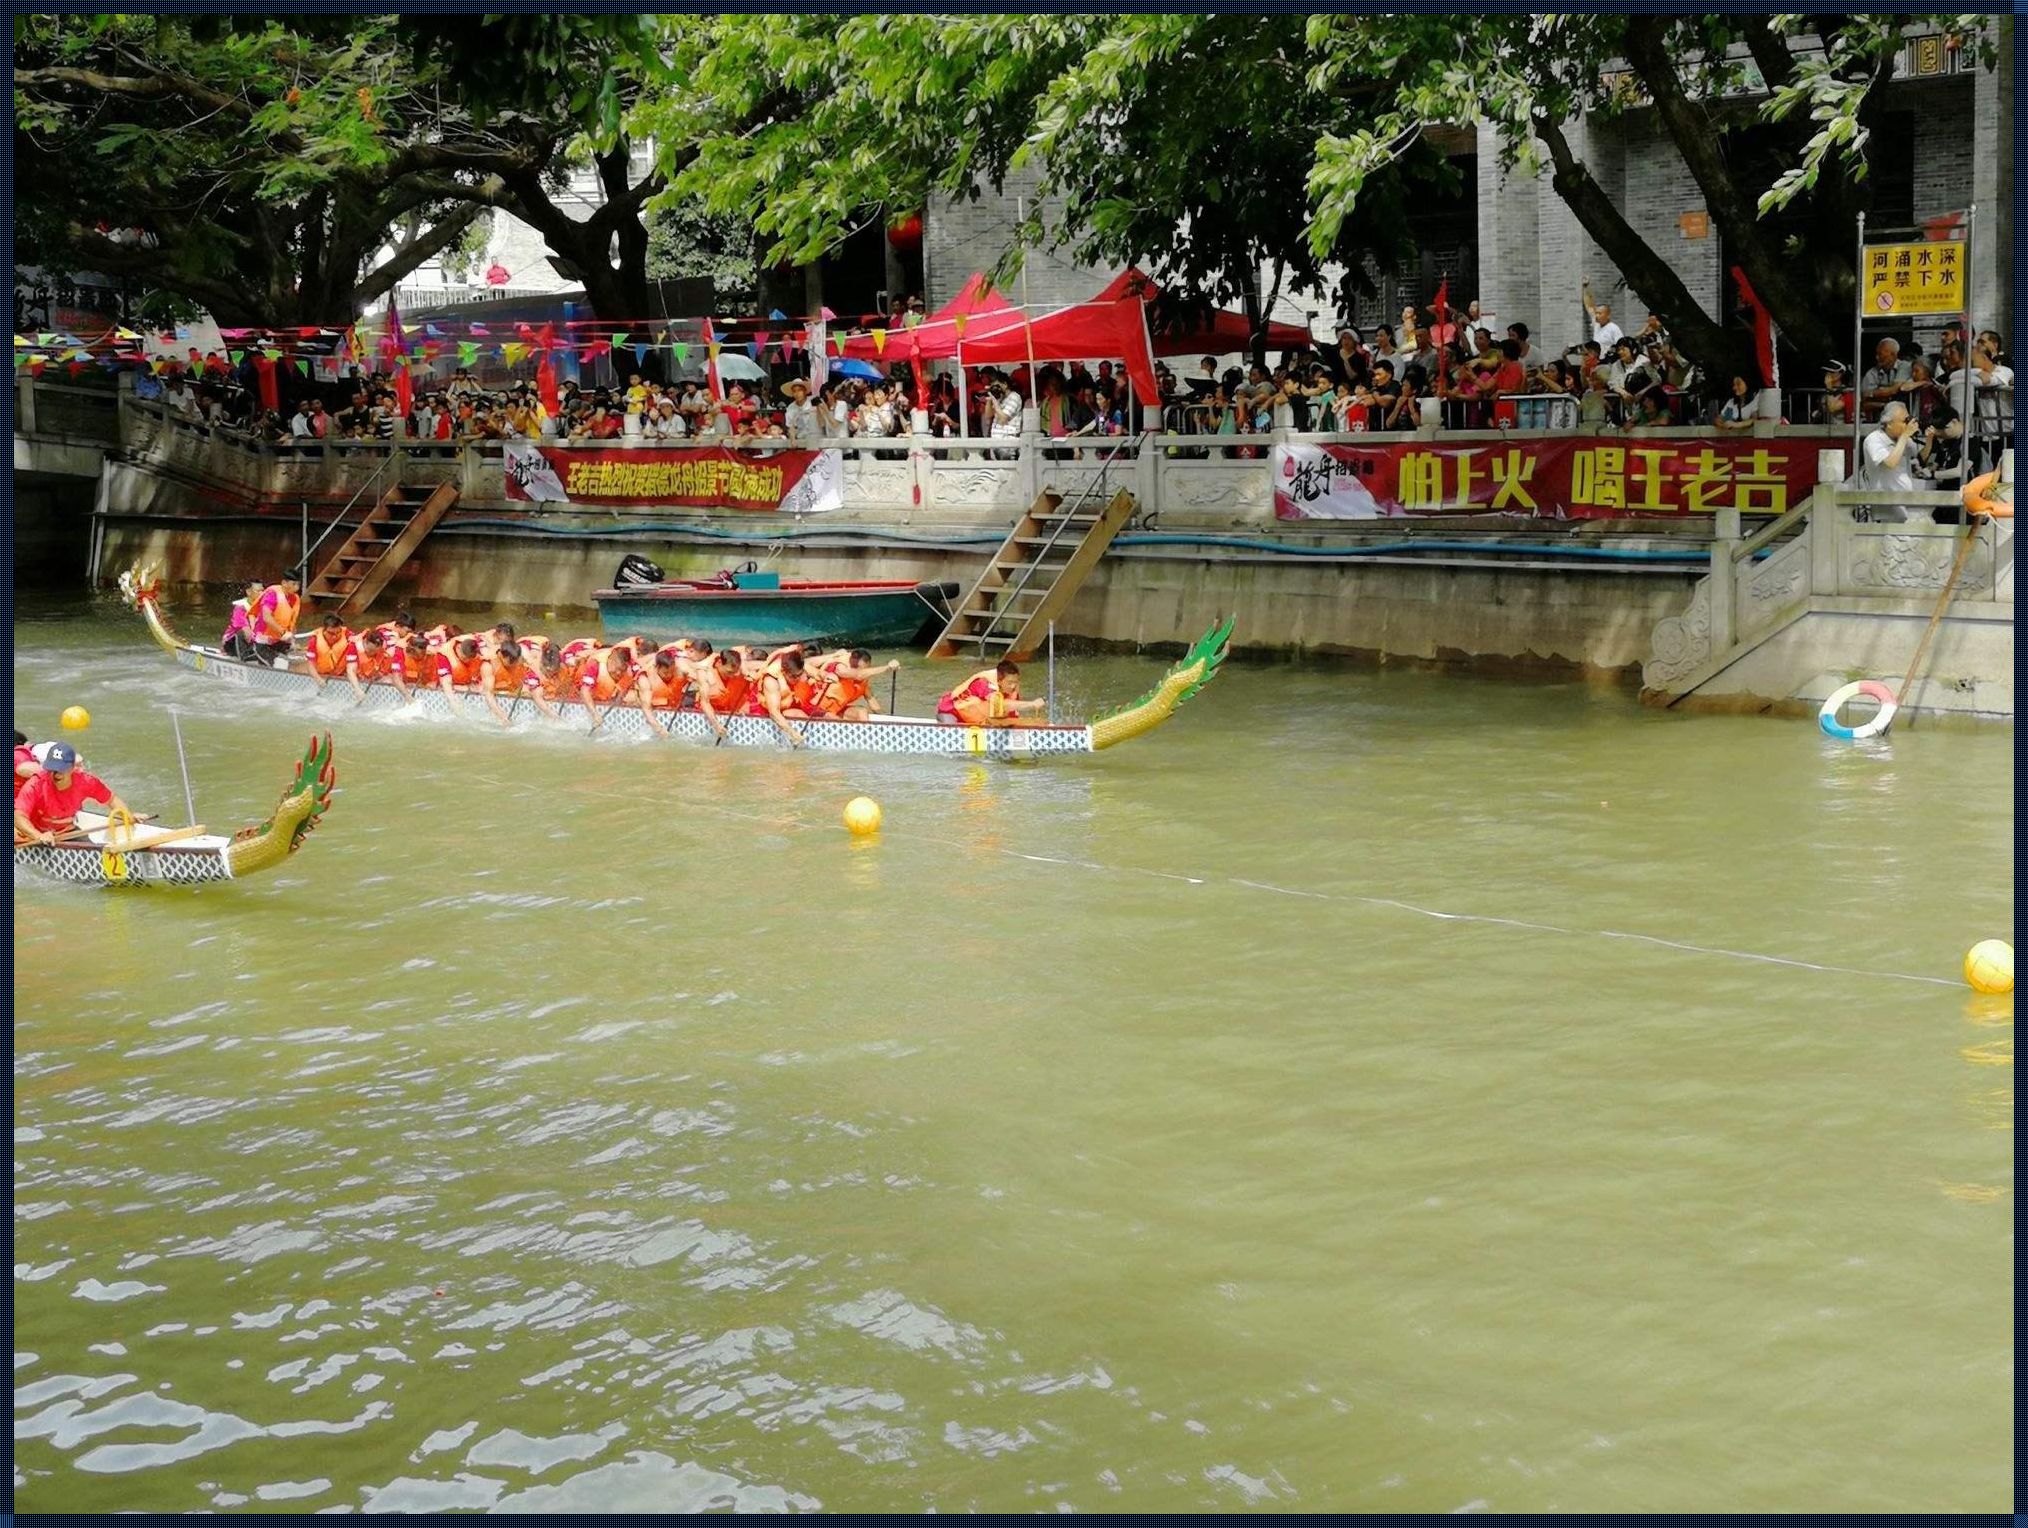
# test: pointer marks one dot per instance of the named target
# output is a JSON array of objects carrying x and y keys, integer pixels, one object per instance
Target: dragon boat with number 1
[
  {"x": 116, "y": 851},
  {"x": 878, "y": 734}
]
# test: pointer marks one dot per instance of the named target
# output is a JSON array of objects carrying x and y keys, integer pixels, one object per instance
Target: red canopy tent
[
  {"x": 996, "y": 334},
  {"x": 1226, "y": 333}
]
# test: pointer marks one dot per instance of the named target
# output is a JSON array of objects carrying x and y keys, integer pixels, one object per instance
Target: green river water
[{"x": 601, "y": 1127}]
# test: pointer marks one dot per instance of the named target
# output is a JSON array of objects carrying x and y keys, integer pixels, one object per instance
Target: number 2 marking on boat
[{"x": 113, "y": 866}]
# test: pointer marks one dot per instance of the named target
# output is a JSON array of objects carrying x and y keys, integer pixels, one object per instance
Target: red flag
[
  {"x": 395, "y": 334},
  {"x": 1442, "y": 332},
  {"x": 404, "y": 392},
  {"x": 545, "y": 386},
  {"x": 264, "y": 369},
  {"x": 1763, "y": 329}
]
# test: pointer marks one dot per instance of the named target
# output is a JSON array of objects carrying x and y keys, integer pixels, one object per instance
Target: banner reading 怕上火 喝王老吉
[
  {"x": 703, "y": 477},
  {"x": 1578, "y": 477}
]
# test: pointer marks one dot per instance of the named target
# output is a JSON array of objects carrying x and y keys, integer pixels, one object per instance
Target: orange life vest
[
  {"x": 508, "y": 678},
  {"x": 376, "y": 665},
  {"x": 839, "y": 694},
  {"x": 463, "y": 671},
  {"x": 604, "y": 686},
  {"x": 281, "y": 619},
  {"x": 969, "y": 708},
  {"x": 791, "y": 694},
  {"x": 666, "y": 694},
  {"x": 328, "y": 659},
  {"x": 731, "y": 691}
]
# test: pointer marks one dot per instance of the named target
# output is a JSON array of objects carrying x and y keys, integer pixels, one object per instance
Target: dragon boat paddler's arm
[
  {"x": 645, "y": 699},
  {"x": 27, "y": 832},
  {"x": 486, "y": 691},
  {"x": 543, "y": 702},
  {"x": 710, "y": 714},
  {"x": 771, "y": 698},
  {"x": 352, "y": 673}
]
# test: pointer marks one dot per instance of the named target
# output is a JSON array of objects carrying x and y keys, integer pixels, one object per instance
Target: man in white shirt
[
  {"x": 1883, "y": 379},
  {"x": 799, "y": 419},
  {"x": 300, "y": 427},
  {"x": 1890, "y": 453},
  {"x": 1603, "y": 329},
  {"x": 1987, "y": 370}
]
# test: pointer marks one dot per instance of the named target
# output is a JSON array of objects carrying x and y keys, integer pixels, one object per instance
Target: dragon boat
[
  {"x": 879, "y": 734},
  {"x": 119, "y": 852}
]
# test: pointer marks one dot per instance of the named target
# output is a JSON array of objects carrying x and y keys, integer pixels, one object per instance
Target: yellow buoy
[
  {"x": 76, "y": 718},
  {"x": 1989, "y": 966},
  {"x": 862, "y": 816}
]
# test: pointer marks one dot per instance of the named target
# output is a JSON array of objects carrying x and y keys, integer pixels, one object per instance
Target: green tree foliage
[
  {"x": 1177, "y": 143},
  {"x": 1205, "y": 146},
  {"x": 292, "y": 172},
  {"x": 687, "y": 241}
]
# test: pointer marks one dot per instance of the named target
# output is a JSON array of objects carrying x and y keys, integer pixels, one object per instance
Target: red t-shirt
[
  {"x": 53, "y": 810},
  {"x": 22, "y": 755}
]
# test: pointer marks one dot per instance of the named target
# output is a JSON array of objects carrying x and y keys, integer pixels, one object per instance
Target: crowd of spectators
[{"x": 1448, "y": 369}]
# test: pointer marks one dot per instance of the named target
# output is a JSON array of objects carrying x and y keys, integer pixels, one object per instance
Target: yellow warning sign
[{"x": 1914, "y": 278}]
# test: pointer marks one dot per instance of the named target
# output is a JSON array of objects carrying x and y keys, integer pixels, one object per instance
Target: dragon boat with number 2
[
  {"x": 116, "y": 851},
  {"x": 878, "y": 734}
]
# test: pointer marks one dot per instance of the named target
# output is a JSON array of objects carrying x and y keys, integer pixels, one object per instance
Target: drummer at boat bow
[
  {"x": 48, "y": 805},
  {"x": 274, "y": 622}
]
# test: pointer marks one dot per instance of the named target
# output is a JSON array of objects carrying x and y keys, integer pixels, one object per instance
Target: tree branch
[
  {"x": 1771, "y": 53},
  {"x": 1651, "y": 277},
  {"x": 224, "y": 298},
  {"x": 411, "y": 254},
  {"x": 1733, "y": 210}
]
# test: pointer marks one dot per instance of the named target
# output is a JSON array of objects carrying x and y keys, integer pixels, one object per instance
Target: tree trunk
[
  {"x": 1773, "y": 273},
  {"x": 1718, "y": 349}
]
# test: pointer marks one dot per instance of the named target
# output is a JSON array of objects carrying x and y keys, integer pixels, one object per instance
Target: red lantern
[
  {"x": 905, "y": 234},
  {"x": 498, "y": 274}
]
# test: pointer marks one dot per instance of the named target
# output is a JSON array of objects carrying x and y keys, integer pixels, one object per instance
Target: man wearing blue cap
[{"x": 48, "y": 804}]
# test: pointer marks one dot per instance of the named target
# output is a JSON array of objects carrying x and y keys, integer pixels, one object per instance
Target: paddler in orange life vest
[
  {"x": 508, "y": 672},
  {"x": 380, "y": 660},
  {"x": 991, "y": 697},
  {"x": 722, "y": 688},
  {"x": 334, "y": 651},
  {"x": 786, "y": 690},
  {"x": 845, "y": 684},
  {"x": 668, "y": 678},
  {"x": 612, "y": 677},
  {"x": 274, "y": 619},
  {"x": 398, "y": 632},
  {"x": 458, "y": 664}
]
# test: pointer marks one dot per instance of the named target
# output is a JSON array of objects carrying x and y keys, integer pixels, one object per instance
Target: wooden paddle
[{"x": 1905, "y": 695}]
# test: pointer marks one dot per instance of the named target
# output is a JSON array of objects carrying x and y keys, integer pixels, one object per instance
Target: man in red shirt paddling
[{"x": 47, "y": 807}]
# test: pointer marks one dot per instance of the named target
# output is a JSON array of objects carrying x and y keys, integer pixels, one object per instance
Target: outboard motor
[{"x": 637, "y": 573}]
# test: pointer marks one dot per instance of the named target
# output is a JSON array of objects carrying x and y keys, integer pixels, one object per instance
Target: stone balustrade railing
[{"x": 1197, "y": 479}]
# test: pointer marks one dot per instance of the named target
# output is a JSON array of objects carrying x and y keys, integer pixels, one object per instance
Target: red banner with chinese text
[
  {"x": 1578, "y": 477},
  {"x": 704, "y": 477}
]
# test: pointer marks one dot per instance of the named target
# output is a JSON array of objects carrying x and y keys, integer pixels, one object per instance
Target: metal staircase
[
  {"x": 378, "y": 548},
  {"x": 1039, "y": 568}
]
